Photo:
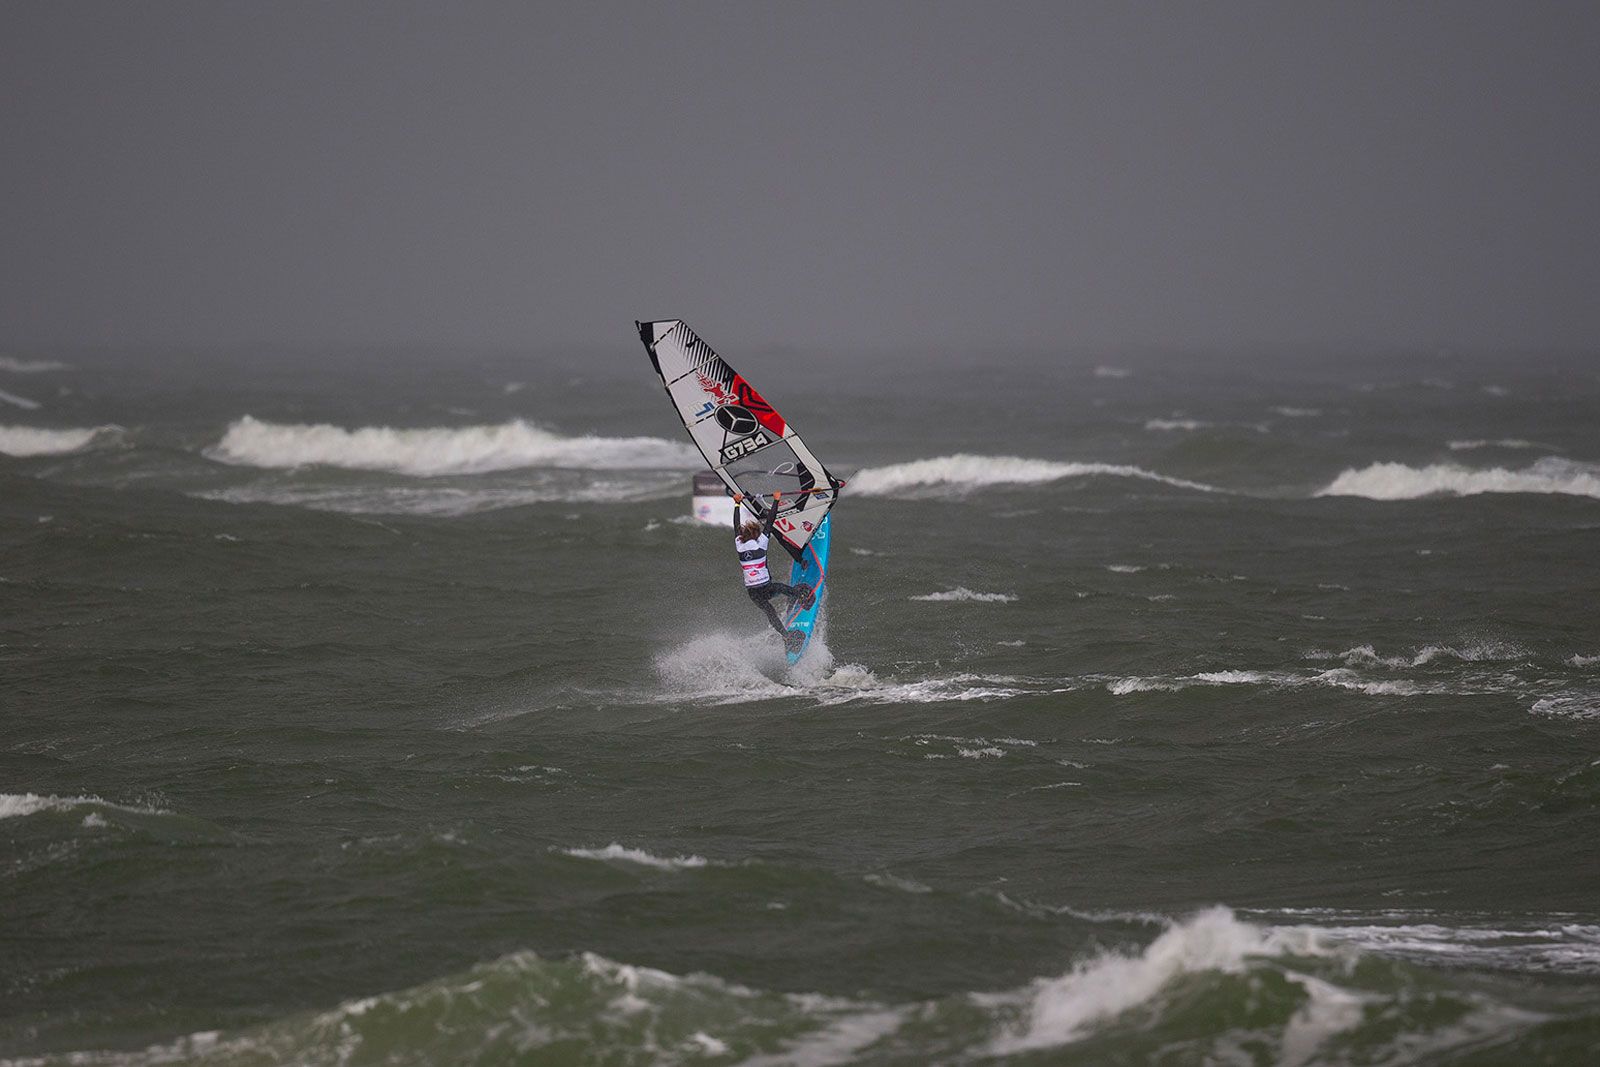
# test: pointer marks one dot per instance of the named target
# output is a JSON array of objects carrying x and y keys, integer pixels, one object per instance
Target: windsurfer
[{"x": 750, "y": 540}]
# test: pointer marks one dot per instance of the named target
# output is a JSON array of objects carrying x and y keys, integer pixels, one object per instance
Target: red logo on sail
[{"x": 740, "y": 393}]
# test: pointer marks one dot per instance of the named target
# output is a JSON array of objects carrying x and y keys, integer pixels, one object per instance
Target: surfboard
[
  {"x": 753, "y": 449},
  {"x": 812, "y": 570}
]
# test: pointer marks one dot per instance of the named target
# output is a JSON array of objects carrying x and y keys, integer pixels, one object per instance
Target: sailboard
[{"x": 755, "y": 451}]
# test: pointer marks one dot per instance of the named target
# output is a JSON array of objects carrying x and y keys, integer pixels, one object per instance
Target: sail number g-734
[{"x": 745, "y": 446}]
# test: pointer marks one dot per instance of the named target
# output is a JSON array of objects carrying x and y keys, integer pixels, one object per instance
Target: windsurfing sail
[{"x": 751, "y": 447}]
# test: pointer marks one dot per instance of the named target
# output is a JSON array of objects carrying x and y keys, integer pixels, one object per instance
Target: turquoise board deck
[{"x": 812, "y": 570}]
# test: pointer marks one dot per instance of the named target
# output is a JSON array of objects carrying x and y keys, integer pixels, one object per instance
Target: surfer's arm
[{"x": 772, "y": 515}]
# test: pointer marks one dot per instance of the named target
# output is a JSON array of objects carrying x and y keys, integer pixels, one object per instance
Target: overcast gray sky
[{"x": 842, "y": 175}]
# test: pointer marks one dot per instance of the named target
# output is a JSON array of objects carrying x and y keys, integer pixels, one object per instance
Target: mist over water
[{"x": 390, "y": 708}]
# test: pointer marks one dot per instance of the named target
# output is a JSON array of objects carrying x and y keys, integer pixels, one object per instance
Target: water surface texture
[{"x": 374, "y": 708}]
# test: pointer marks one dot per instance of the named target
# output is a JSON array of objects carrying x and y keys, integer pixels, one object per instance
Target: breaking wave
[
  {"x": 975, "y": 472},
  {"x": 1204, "y": 986},
  {"x": 1397, "y": 481},
  {"x": 443, "y": 450},
  {"x": 33, "y": 441},
  {"x": 1060, "y": 1010}
]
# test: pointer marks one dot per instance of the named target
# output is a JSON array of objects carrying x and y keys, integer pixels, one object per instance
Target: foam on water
[
  {"x": 735, "y": 669},
  {"x": 436, "y": 451},
  {"x": 1582, "y": 705},
  {"x": 972, "y": 472},
  {"x": 30, "y": 366},
  {"x": 961, "y": 592},
  {"x": 1397, "y": 481},
  {"x": 17, "y": 805},
  {"x": 1338, "y": 678},
  {"x": 617, "y": 852},
  {"x": 18, "y": 401},
  {"x": 448, "y": 501},
  {"x": 1504, "y": 442},
  {"x": 35, "y": 441}
]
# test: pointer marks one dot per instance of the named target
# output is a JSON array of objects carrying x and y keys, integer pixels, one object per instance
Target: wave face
[
  {"x": 972, "y": 472},
  {"x": 440, "y": 451},
  {"x": 33, "y": 441},
  {"x": 1397, "y": 481}
]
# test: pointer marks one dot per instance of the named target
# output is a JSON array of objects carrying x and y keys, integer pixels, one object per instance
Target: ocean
[{"x": 368, "y": 707}]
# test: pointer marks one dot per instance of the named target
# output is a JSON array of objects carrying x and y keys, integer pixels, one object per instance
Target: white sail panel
[{"x": 742, "y": 437}]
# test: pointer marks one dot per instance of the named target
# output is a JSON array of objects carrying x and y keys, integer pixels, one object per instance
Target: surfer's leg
[
  {"x": 762, "y": 595},
  {"x": 801, "y": 594}
]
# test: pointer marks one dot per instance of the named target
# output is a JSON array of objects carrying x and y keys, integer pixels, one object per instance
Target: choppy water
[{"x": 387, "y": 709}]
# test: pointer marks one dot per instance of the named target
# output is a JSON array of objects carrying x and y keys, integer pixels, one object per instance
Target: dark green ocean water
[{"x": 367, "y": 708}]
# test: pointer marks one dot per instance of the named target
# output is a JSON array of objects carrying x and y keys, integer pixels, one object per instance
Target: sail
[{"x": 751, "y": 447}]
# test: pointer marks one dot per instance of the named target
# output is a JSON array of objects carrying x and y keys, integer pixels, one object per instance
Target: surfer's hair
[{"x": 749, "y": 530}]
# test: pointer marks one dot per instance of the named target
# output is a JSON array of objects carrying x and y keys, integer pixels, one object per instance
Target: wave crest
[
  {"x": 34, "y": 441},
  {"x": 439, "y": 450},
  {"x": 975, "y": 472},
  {"x": 1397, "y": 481}
]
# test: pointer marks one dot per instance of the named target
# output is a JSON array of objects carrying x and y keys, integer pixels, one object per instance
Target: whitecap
[
  {"x": 1583, "y": 706},
  {"x": 968, "y": 471},
  {"x": 440, "y": 450},
  {"x": 36, "y": 441},
  {"x": 1060, "y": 1010},
  {"x": 961, "y": 592},
  {"x": 17, "y": 805},
  {"x": 615, "y": 851},
  {"x": 1397, "y": 481}
]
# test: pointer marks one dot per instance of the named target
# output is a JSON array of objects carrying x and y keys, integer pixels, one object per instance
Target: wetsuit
[{"x": 757, "y": 579}]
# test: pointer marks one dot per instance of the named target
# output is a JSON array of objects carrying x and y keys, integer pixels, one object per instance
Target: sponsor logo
[
  {"x": 736, "y": 420},
  {"x": 714, "y": 390}
]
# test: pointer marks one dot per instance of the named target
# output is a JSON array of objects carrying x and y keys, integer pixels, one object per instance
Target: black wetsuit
[{"x": 763, "y": 594}]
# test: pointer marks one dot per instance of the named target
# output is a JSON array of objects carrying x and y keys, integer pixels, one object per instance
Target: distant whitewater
[
  {"x": 438, "y": 451},
  {"x": 968, "y": 471},
  {"x": 33, "y": 441},
  {"x": 961, "y": 592},
  {"x": 1397, "y": 481}
]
